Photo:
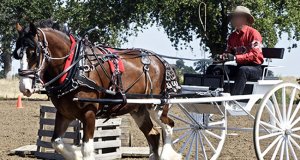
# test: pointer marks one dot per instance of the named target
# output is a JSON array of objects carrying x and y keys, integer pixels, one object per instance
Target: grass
[
  {"x": 288, "y": 90},
  {"x": 9, "y": 89}
]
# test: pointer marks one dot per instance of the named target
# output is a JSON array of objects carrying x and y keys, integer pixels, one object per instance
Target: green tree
[
  {"x": 202, "y": 65},
  {"x": 180, "y": 20},
  {"x": 13, "y": 11},
  {"x": 116, "y": 19},
  {"x": 179, "y": 64},
  {"x": 182, "y": 69},
  {"x": 122, "y": 18}
]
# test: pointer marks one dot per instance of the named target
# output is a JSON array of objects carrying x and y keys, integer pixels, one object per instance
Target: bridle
[{"x": 44, "y": 55}]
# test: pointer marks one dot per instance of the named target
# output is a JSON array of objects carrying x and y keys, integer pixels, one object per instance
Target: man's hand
[{"x": 226, "y": 57}]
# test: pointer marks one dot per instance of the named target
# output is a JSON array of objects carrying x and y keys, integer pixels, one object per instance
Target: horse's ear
[
  {"x": 32, "y": 29},
  {"x": 19, "y": 27}
]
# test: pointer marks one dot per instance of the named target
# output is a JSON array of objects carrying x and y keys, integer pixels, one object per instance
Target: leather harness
[{"x": 79, "y": 63}]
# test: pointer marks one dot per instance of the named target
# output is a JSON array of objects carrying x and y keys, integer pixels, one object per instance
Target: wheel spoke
[
  {"x": 283, "y": 100},
  {"x": 291, "y": 103},
  {"x": 271, "y": 146},
  {"x": 191, "y": 146},
  {"x": 276, "y": 150},
  {"x": 182, "y": 136},
  {"x": 292, "y": 150},
  {"x": 269, "y": 135},
  {"x": 215, "y": 123},
  {"x": 202, "y": 146},
  {"x": 270, "y": 126},
  {"x": 296, "y": 129},
  {"x": 208, "y": 142},
  {"x": 295, "y": 143},
  {"x": 295, "y": 113},
  {"x": 287, "y": 155},
  {"x": 213, "y": 134},
  {"x": 296, "y": 136},
  {"x": 185, "y": 143},
  {"x": 295, "y": 122},
  {"x": 282, "y": 150},
  {"x": 180, "y": 119},
  {"x": 275, "y": 118},
  {"x": 277, "y": 107},
  {"x": 181, "y": 129},
  {"x": 197, "y": 146}
]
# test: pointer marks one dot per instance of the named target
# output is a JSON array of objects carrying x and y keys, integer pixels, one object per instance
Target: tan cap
[{"x": 243, "y": 10}]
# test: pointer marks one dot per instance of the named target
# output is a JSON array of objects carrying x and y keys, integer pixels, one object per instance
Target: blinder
[{"x": 28, "y": 42}]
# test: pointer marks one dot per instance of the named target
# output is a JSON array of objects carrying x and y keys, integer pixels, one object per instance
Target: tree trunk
[{"x": 7, "y": 61}]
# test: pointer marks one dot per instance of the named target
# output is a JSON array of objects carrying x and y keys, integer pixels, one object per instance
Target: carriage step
[{"x": 237, "y": 112}]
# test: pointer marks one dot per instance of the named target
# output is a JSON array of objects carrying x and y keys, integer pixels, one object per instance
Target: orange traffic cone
[{"x": 19, "y": 102}]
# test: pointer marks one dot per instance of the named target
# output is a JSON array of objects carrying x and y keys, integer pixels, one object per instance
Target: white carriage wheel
[
  {"x": 277, "y": 124},
  {"x": 194, "y": 142}
]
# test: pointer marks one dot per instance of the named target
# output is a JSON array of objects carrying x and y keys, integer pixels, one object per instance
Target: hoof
[
  {"x": 153, "y": 156},
  {"x": 169, "y": 153},
  {"x": 172, "y": 157}
]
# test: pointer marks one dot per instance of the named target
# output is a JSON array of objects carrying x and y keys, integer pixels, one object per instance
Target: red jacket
[{"x": 246, "y": 44}]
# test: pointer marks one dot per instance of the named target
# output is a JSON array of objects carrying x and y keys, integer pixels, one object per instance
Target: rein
[
  {"x": 72, "y": 81},
  {"x": 75, "y": 74}
]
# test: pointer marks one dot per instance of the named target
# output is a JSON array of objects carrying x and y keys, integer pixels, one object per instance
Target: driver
[{"x": 245, "y": 47}]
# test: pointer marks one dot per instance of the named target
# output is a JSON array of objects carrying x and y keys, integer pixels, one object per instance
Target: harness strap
[
  {"x": 86, "y": 82},
  {"x": 62, "y": 73},
  {"x": 69, "y": 60}
]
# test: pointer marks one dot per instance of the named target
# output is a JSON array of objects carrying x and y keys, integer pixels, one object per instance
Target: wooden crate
[
  {"x": 126, "y": 132},
  {"x": 107, "y": 140}
]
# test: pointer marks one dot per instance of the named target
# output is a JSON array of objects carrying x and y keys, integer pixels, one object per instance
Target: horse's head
[{"x": 27, "y": 52}]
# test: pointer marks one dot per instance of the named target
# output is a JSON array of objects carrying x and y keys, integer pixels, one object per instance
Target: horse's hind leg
[
  {"x": 143, "y": 120},
  {"x": 66, "y": 150},
  {"x": 160, "y": 116}
]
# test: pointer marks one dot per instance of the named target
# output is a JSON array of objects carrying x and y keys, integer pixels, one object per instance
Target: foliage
[
  {"x": 116, "y": 19},
  {"x": 122, "y": 18},
  {"x": 182, "y": 69},
  {"x": 202, "y": 65},
  {"x": 180, "y": 20},
  {"x": 13, "y": 11}
]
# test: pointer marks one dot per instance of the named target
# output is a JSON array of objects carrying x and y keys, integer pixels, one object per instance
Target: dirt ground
[{"x": 19, "y": 127}]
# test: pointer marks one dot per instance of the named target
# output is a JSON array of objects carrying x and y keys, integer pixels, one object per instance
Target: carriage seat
[{"x": 269, "y": 54}]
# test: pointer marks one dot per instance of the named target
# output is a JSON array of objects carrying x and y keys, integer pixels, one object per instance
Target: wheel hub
[{"x": 288, "y": 132}]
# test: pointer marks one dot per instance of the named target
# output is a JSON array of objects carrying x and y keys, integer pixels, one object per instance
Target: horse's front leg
[
  {"x": 66, "y": 150},
  {"x": 88, "y": 135}
]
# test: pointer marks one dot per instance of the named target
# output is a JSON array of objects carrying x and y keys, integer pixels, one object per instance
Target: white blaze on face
[{"x": 25, "y": 82}]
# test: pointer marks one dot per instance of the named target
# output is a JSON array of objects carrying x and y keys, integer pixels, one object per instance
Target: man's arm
[{"x": 254, "y": 55}]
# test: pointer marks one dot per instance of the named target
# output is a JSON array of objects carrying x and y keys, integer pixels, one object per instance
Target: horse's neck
[{"x": 58, "y": 46}]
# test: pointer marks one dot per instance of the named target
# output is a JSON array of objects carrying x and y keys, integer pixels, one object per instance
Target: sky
[{"x": 155, "y": 39}]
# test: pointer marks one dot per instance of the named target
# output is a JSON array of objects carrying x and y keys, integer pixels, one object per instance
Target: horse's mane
[{"x": 48, "y": 23}]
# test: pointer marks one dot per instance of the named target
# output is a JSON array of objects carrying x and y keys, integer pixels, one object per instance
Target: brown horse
[{"x": 43, "y": 53}]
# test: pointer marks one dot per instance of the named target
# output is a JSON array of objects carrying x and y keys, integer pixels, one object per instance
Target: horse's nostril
[{"x": 27, "y": 93}]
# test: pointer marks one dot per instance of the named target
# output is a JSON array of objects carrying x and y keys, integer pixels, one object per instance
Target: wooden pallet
[{"x": 107, "y": 140}]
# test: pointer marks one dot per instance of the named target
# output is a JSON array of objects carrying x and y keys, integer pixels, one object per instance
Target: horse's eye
[{"x": 30, "y": 53}]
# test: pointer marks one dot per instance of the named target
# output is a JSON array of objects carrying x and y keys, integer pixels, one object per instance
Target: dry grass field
[{"x": 9, "y": 89}]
